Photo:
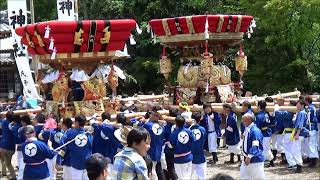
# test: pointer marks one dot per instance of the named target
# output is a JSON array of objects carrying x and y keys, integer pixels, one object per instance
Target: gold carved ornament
[
  {"x": 206, "y": 63},
  {"x": 93, "y": 89},
  {"x": 31, "y": 44},
  {"x": 106, "y": 37},
  {"x": 77, "y": 37},
  {"x": 215, "y": 76},
  {"x": 166, "y": 27},
  {"x": 225, "y": 74},
  {"x": 39, "y": 39},
  {"x": 188, "y": 76},
  {"x": 60, "y": 89},
  {"x": 190, "y": 25},
  {"x": 113, "y": 79},
  {"x": 241, "y": 64},
  {"x": 165, "y": 66}
]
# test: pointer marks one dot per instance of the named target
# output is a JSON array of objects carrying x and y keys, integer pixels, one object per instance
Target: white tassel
[
  {"x": 152, "y": 35},
  {"x": 119, "y": 72},
  {"x": 47, "y": 32},
  {"x": 251, "y": 29},
  {"x": 125, "y": 50},
  {"x": 207, "y": 87},
  {"x": 154, "y": 39},
  {"x": 148, "y": 28},
  {"x": 51, "y": 46},
  {"x": 132, "y": 41},
  {"x": 206, "y": 31},
  {"x": 53, "y": 55},
  {"x": 249, "y": 34},
  {"x": 123, "y": 53},
  {"x": 139, "y": 31},
  {"x": 253, "y": 23}
]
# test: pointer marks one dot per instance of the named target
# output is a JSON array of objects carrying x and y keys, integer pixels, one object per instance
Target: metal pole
[
  {"x": 76, "y": 9},
  {"x": 34, "y": 60},
  {"x": 32, "y": 11}
]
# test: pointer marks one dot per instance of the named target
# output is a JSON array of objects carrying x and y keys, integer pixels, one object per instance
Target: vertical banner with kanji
[
  {"x": 17, "y": 13},
  {"x": 29, "y": 88},
  {"x": 17, "y": 16},
  {"x": 66, "y": 10}
]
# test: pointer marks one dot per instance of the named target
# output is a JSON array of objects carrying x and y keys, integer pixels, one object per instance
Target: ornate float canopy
[
  {"x": 192, "y": 31},
  {"x": 76, "y": 41},
  {"x": 201, "y": 42}
]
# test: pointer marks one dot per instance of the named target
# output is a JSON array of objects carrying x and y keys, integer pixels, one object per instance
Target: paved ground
[{"x": 277, "y": 172}]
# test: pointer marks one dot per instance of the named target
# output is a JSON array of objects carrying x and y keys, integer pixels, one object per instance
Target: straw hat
[{"x": 122, "y": 134}]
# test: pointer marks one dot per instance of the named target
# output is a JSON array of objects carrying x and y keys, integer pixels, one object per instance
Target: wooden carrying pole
[
  {"x": 24, "y": 111},
  {"x": 295, "y": 93},
  {"x": 219, "y": 109}
]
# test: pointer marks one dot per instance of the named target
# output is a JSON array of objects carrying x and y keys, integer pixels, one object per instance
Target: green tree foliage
[{"x": 284, "y": 52}]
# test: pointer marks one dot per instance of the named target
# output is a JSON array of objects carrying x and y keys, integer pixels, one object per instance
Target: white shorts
[
  {"x": 52, "y": 167},
  {"x": 253, "y": 171},
  {"x": 21, "y": 165},
  {"x": 199, "y": 171},
  {"x": 183, "y": 171},
  {"x": 310, "y": 145},
  {"x": 267, "y": 149},
  {"x": 66, "y": 172},
  {"x": 279, "y": 142},
  {"x": 163, "y": 159},
  {"x": 273, "y": 142},
  {"x": 212, "y": 142},
  {"x": 79, "y": 174},
  {"x": 235, "y": 149}
]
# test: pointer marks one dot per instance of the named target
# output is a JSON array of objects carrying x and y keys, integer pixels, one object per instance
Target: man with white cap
[{"x": 252, "y": 148}]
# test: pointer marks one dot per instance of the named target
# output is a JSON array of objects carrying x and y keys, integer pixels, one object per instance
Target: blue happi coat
[
  {"x": 80, "y": 149},
  {"x": 156, "y": 132},
  {"x": 263, "y": 122},
  {"x": 200, "y": 137},
  {"x": 232, "y": 132},
  {"x": 181, "y": 141},
  {"x": 253, "y": 144},
  {"x": 35, "y": 153}
]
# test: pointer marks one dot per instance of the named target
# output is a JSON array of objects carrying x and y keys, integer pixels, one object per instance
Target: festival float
[
  {"x": 79, "y": 58},
  {"x": 201, "y": 43}
]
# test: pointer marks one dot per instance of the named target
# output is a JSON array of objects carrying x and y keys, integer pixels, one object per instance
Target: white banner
[
  {"x": 29, "y": 88},
  {"x": 17, "y": 13},
  {"x": 66, "y": 10},
  {"x": 17, "y": 16}
]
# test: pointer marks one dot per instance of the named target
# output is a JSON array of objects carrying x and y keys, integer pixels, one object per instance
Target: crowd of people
[{"x": 156, "y": 146}]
